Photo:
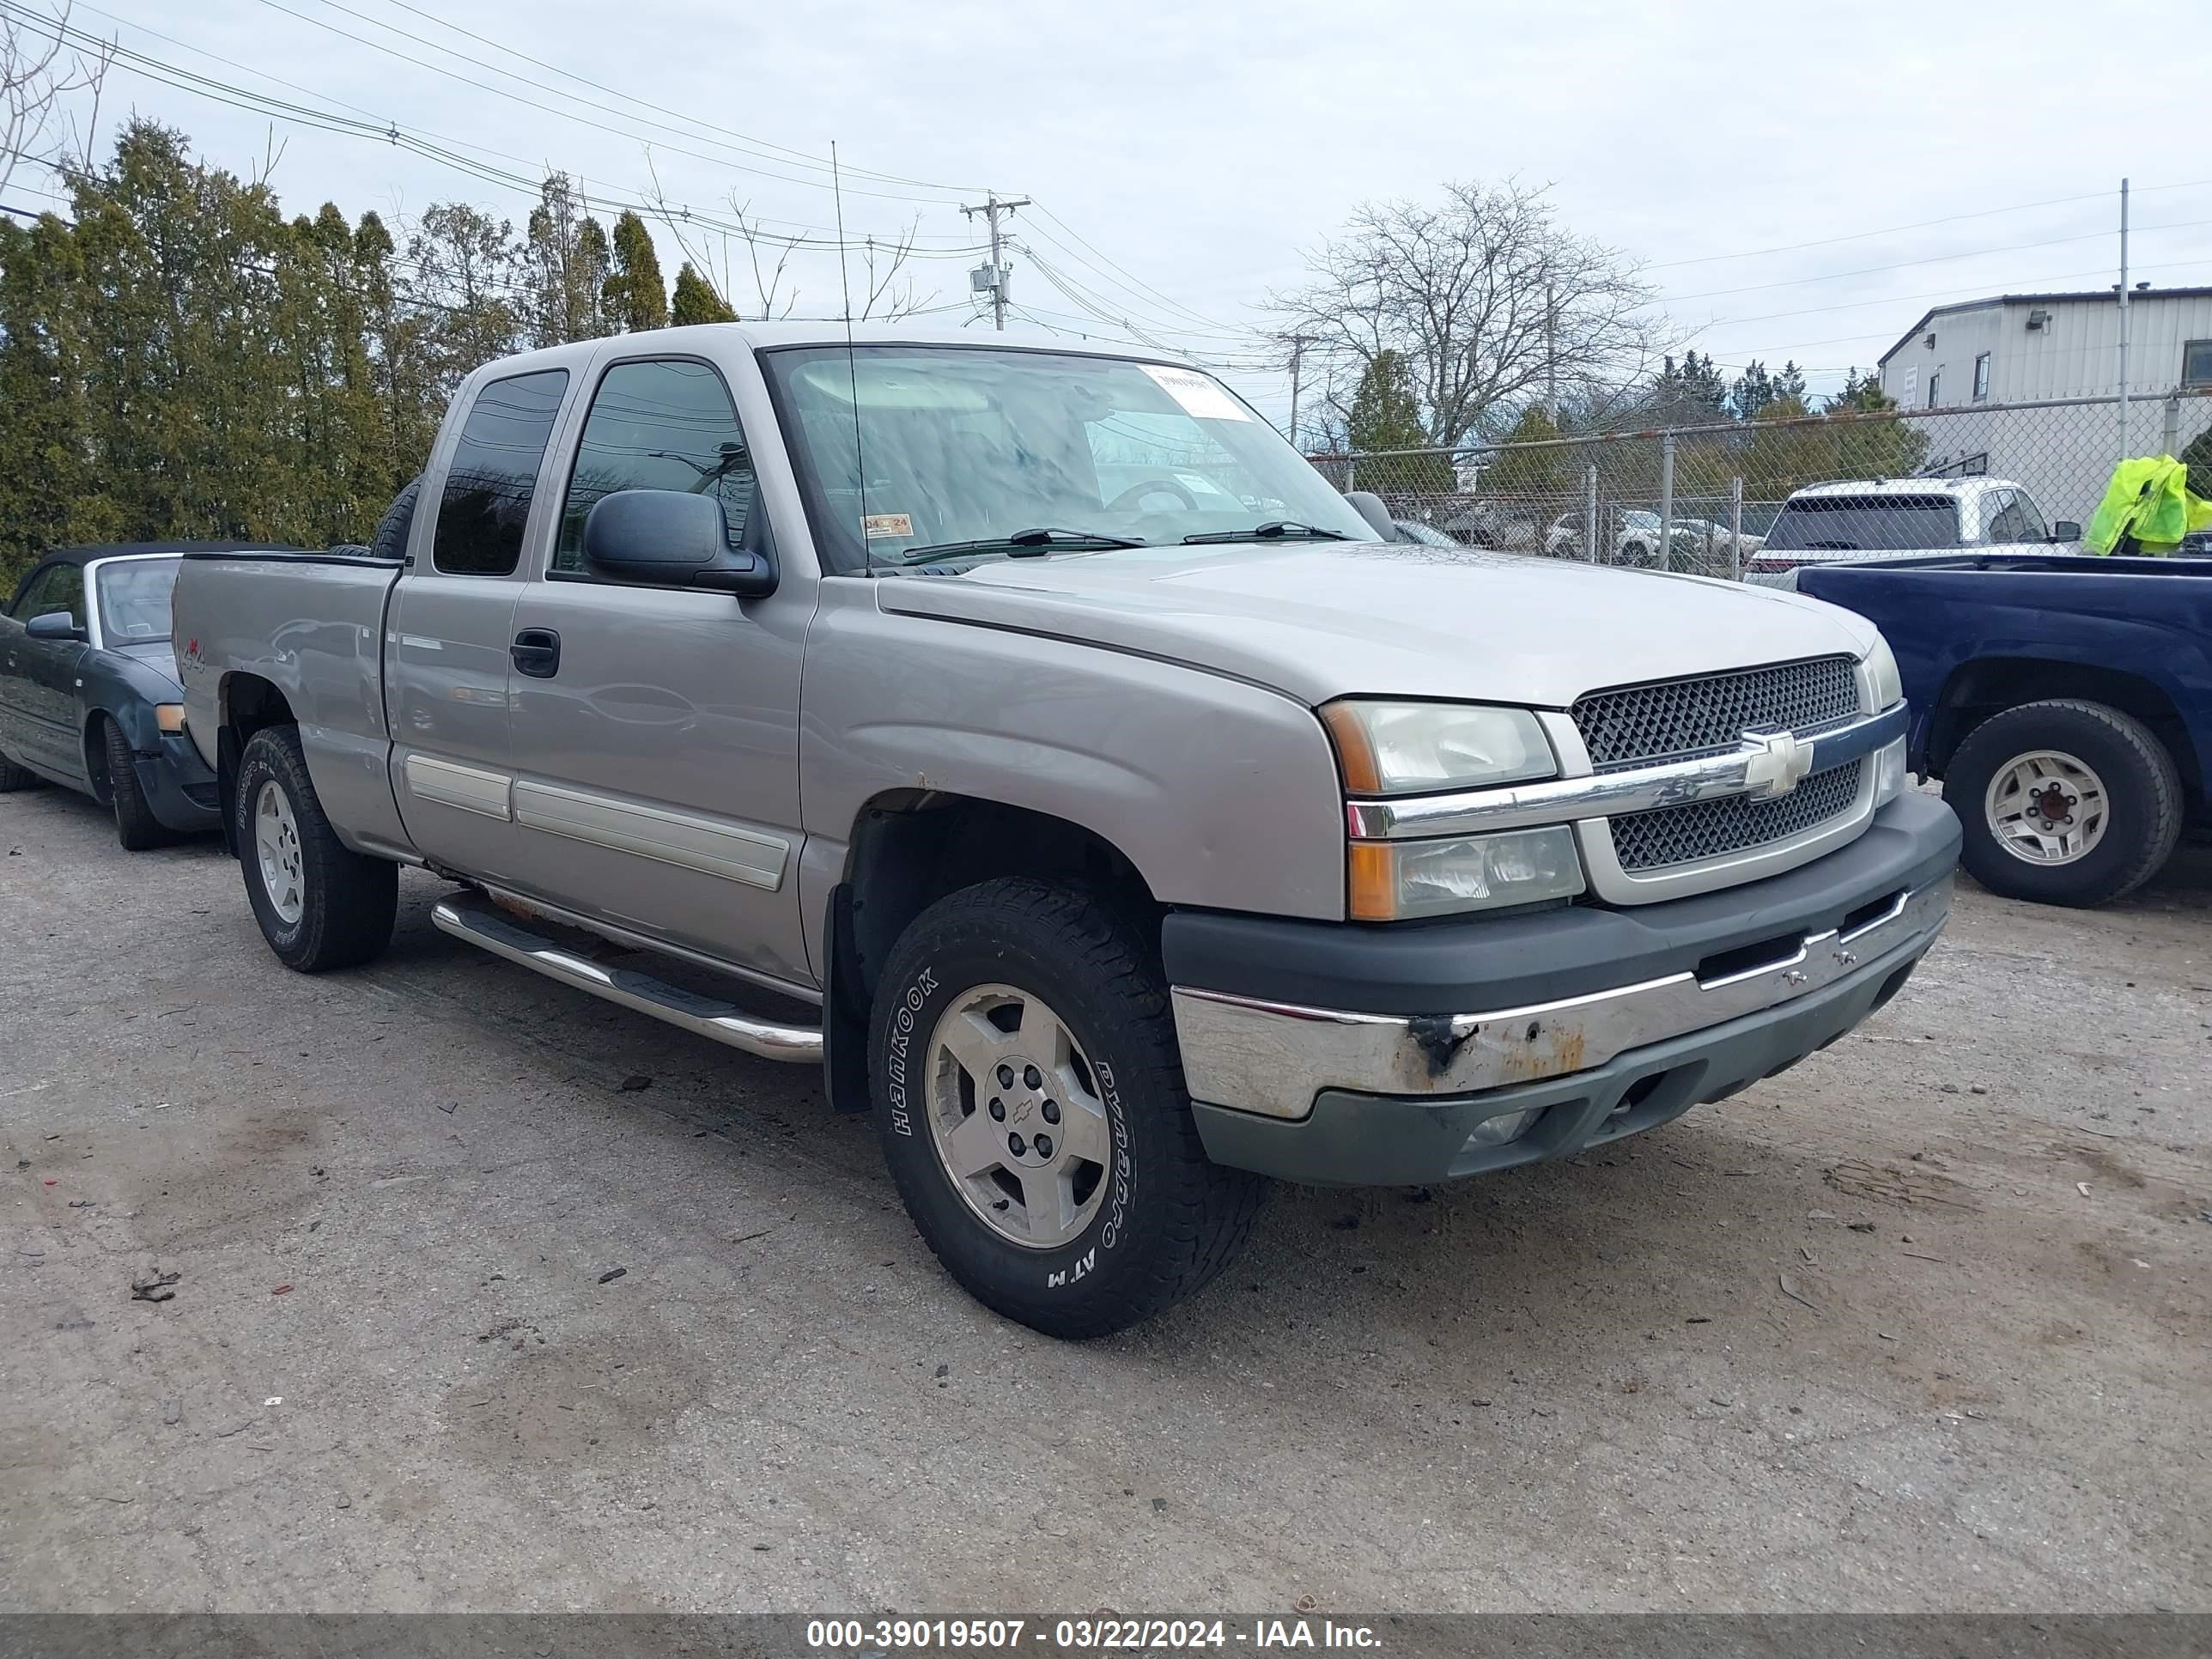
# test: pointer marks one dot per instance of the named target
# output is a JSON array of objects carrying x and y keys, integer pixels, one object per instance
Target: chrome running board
[{"x": 476, "y": 921}]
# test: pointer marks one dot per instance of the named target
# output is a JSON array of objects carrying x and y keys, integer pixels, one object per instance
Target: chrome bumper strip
[
  {"x": 1273, "y": 1058},
  {"x": 1638, "y": 789}
]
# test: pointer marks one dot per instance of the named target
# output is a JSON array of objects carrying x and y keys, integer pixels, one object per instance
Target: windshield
[
  {"x": 965, "y": 443},
  {"x": 1886, "y": 524},
  {"x": 134, "y": 600}
]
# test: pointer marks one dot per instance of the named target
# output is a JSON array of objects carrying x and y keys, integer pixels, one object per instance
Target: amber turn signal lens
[
  {"x": 1354, "y": 753},
  {"x": 1372, "y": 877}
]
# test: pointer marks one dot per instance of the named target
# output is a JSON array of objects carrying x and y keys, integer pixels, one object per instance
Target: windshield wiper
[
  {"x": 1024, "y": 545},
  {"x": 1273, "y": 530}
]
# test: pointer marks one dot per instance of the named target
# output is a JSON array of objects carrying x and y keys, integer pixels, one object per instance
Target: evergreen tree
[
  {"x": 1531, "y": 471},
  {"x": 696, "y": 302},
  {"x": 1753, "y": 389},
  {"x": 1386, "y": 414},
  {"x": 635, "y": 297},
  {"x": 565, "y": 259}
]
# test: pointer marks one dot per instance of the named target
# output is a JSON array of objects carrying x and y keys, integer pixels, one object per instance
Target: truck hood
[{"x": 1383, "y": 619}]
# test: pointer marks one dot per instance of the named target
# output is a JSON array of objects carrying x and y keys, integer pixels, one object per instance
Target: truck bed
[
  {"x": 312, "y": 625},
  {"x": 1960, "y": 622}
]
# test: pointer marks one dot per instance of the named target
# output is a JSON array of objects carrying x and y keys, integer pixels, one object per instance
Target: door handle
[{"x": 536, "y": 652}]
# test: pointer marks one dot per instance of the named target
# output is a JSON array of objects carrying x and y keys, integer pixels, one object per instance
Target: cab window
[
  {"x": 485, "y": 506},
  {"x": 667, "y": 424}
]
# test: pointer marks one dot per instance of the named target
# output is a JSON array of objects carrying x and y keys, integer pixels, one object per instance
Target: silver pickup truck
[{"x": 1132, "y": 817}]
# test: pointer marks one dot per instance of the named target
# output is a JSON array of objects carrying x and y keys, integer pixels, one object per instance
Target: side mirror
[
  {"x": 2066, "y": 531},
  {"x": 54, "y": 625},
  {"x": 1370, "y": 506},
  {"x": 671, "y": 535}
]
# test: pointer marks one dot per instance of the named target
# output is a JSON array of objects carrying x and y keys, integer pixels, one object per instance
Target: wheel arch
[
  {"x": 1988, "y": 686},
  {"x": 245, "y": 703},
  {"x": 909, "y": 848}
]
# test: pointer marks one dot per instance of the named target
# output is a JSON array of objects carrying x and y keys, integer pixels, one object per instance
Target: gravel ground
[{"x": 1921, "y": 1325}]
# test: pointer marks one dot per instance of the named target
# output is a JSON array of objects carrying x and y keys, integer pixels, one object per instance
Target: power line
[
  {"x": 1887, "y": 333},
  {"x": 328, "y": 98},
  {"x": 762, "y": 144},
  {"x": 1924, "y": 224},
  {"x": 476, "y": 85},
  {"x": 1932, "y": 259},
  {"x": 1933, "y": 294},
  {"x": 190, "y": 80}
]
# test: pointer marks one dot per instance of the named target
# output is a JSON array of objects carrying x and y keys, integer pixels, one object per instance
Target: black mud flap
[{"x": 844, "y": 1013}]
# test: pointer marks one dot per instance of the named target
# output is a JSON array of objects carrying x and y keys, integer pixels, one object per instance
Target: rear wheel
[
  {"x": 2065, "y": 802},
  {"x": 136, "y": 826},
  {"x": 1029, "y": 1097},
  {"x": 14, "y": 777},
  {"x": 321, "y": 905}
]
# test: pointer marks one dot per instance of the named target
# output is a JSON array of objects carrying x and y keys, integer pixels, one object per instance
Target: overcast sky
[{"x": 1188, "y": 153}]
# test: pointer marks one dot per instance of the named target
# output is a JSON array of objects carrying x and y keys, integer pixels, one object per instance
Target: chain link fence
[{"x": 1707, "y": 499}]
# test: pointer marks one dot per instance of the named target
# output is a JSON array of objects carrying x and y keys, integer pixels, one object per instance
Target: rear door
[
  {"x": 450, "y": 625},
  {"x": 657, "y": 754}
]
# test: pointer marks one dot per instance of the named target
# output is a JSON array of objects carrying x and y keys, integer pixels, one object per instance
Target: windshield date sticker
[
  {"x": 878, "y": 526},
  {"x": 1197, "y": 394}
]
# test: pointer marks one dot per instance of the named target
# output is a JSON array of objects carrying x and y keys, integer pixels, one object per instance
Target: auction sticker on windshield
[
  {"x": 878, "y": 525},
  {"x": 1197, "y": 394}
]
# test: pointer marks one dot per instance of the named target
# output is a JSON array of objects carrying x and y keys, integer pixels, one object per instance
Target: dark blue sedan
[{"x": 89, "y": 696}]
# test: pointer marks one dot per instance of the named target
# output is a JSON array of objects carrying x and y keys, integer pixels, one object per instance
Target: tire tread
[
  {"x": 2164, "y": 807},
  {"x": 1211, "y": 1210},
  {"x": 353, "y": 900}
]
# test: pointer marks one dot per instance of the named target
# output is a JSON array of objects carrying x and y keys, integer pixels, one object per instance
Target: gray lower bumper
[
  {"x": 1351, "y": 1138},
  {"x": 1275, "y": 1059},
  {"x": 178, "y": 786}
]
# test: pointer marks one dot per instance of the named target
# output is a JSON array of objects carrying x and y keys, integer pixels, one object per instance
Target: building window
[
  {"x": 1982, "y": 378},
  {"x": 2196, "y": 363},
  {"x": 1934, "y": 386}
]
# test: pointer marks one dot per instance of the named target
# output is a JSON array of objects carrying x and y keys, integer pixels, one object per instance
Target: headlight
[
  {"x": 1887, "y": 684},
  {"x": 1408, "y": 748},
  {"x": 1396, "y": 880},
  {"x": 169, "y": 716}
]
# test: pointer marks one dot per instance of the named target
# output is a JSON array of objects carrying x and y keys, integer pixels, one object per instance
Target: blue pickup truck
[{"x": 2066, "y": 703}]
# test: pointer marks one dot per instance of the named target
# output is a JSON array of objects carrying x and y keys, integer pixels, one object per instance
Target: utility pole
[
  {"x": 1551, "y": 355},
  {"x": 2123, "y": 319},
  {"x": 1297, "y": 343},
  {"x": 991, "y": 279}
]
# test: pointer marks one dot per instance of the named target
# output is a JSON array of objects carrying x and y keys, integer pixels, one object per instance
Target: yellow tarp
[{"x": 2150, "y": 500}]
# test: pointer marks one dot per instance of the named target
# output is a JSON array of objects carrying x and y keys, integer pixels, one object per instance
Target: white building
[{"x": 2028, "y": 347}]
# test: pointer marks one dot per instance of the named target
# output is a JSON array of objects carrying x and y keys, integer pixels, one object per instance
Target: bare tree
[
  {"x": 887, "y": 291},
  {"x": 1487, "y": 298},
  {"x": 41, "y": 67}
]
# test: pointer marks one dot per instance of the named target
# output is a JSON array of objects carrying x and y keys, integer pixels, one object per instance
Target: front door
[
  {"x": 38, "y": 678},
  {"x": 657, "y": 745},
  {"x": 451, "y": 625}
]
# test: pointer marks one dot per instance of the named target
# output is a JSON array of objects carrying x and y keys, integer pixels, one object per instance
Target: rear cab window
[
  {"x": 1886, "y": 524},
  {"x": 493, "y": 476}
]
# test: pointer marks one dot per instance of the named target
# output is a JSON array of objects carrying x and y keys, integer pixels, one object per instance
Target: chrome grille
[
  {"x": 1702, "y": 830},
  {"x": 1639, "y": 725}
]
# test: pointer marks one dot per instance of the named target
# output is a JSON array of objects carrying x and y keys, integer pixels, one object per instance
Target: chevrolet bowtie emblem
[{"x": 1775, "y": 762}]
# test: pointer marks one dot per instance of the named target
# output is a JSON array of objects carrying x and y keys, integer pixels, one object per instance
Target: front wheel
[
  {"x": 321, "y": 905},
  {"x": 136, "y": 826},
  {"x": 2063, "y": 802},
  {"x": 1029, "y": 1097}
]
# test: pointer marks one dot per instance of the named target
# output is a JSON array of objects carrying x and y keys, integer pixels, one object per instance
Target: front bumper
[
  {"x": 1691, "y": 1005},
  {"x": 179, "y": 787}
]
